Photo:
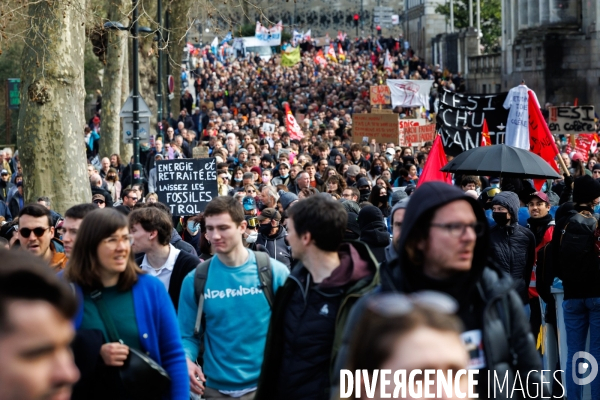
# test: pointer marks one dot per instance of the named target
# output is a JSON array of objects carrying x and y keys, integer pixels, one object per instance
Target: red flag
[
  {"x": 541, "y": 140},
  {"x": 291, "y": 125},
  {"x": 436, "y": 161},
  {"x": 485, "y": 135}
]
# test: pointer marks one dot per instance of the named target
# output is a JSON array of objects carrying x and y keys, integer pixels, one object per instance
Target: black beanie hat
[
  {"x": 586, "y": 189},
  {"x": 352, "y": 229},
  {"x": 369, "y": 214}
]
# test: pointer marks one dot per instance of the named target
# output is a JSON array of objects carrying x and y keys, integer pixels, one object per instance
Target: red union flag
[
  {"x": 291, "y": 125},
  {"x": 485, "y": 135},
  {"x": 541, "y": 141}
]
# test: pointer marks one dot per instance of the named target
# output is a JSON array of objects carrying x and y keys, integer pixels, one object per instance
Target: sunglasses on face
[
  {"x": 38, "y": 232},
  {"x": 133, "y": 198},
  {"x": 98, "y": 201}
]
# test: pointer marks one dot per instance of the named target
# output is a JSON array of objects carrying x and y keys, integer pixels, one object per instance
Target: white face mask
[{"x": 252, "y": 237}]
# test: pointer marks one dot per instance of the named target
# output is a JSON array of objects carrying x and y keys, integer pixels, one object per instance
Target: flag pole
[{"x": 563, "y": 165}]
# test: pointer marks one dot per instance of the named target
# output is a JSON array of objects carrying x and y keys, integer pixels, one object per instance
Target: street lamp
[{"x": 134, "y": 29}]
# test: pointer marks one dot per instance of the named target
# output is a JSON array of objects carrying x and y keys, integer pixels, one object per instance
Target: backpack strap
[
  {"x": 199, "y": 283},
  {"x": 265, "y": 275}
]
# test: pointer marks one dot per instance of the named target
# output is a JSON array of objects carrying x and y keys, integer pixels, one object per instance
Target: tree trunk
[
  {"x": 179, "y": 24},
  {"x": 113, "y": 80},
  {"x": 51, "y": 116},
  {"x": 126, "y": 149}
]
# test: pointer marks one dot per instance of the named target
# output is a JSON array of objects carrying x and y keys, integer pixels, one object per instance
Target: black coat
[
  {"x": 512, "y": 248},
  {"x": 107, "y": 196},
  {"x": 305, "y": 332},
  {"x": 277, "y": 246}
]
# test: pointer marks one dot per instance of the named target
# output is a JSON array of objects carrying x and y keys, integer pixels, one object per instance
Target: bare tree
[{"x": 51, "y": 117}]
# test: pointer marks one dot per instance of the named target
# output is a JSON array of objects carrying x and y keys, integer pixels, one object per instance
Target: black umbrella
[{"x": 501, "y": 160}]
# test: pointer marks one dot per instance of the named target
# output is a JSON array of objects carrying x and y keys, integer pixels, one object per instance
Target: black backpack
[
  {"x": 578, "y": 260},
  {"x": 265, "y": 275}
]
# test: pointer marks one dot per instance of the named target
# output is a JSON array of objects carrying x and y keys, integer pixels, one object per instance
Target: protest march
[{"x": 341, "y": 219}]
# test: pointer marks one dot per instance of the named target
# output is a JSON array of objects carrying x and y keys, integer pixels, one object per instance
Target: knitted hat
[
  {"x": 286, "y": 198},
  {"x": 353, "y": 170},
  {"x": 399, "y": 205},
  {"x": 350, "y": 206},
  {"x": 397, "y": 196},
  {"x": 256, "y": 169},
  {"x": 369, "y": 214},
  {"x": 586, "y": 189}
]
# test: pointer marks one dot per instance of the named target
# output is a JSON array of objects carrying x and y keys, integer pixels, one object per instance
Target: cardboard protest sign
[
  {"x": 380, "y": 94},
  {"x": 187, "y": 185},
  {"x": 460, "y": 120},
  {"x": 410, "y": 93},
  {"x": 268, "y": 128},
  {"x": 416, "y": 131},
  {"x": 381, "y": 127},
  {"x": 565, "y": 120}
]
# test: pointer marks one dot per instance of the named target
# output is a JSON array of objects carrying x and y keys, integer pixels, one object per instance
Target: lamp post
[
  {"x": 134, "y": 29},
  {"x": 159, "y": 92}
]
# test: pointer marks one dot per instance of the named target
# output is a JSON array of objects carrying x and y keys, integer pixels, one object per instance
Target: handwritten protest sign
[
  {"x": 571, "y": 119},
  {"x": 381, "y": 127},
  {"x": 187, "y": 185},
  {"x": 409, "y": 93},
  {"x": 416, "y": 131},
  {"x": 380, "y": 94},
  {"x": 460, "y": 120}
]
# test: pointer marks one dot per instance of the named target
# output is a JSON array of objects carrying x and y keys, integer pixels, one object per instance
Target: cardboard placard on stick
[
  {"x": 380, "y": 94},
  {"x": 569, "y": 120},
  {"x": 186, "y": 185},
  {"x": 381, "y": 127}
]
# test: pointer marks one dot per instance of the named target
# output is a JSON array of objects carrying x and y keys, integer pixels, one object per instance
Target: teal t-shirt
[
  {"x": 121, "y": 309},
  {"x": 237, "y": 320}
]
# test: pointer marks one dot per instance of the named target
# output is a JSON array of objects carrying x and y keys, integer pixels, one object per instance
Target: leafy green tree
[{"x": 491, "y": 20}]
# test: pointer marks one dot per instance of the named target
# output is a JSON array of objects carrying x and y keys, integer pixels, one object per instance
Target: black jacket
[
  {"x": 184, "y": 264},
  {"x": 307, "y": 323},
  {"x": 107, "y": 196},
  {"x": 376, "y": 236},
  {"x": 485, "y": 296},
  {"x": 277, "y": 246},
  {"x": 513, "y": 250}
]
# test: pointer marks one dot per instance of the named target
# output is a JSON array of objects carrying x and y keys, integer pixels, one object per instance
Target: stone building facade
[
  {"x": 553, "y": 45},
  {"x": 422, "y": 24}
]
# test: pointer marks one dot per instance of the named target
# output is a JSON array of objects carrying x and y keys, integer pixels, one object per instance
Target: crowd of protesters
[{"x": 318, "y": 255}]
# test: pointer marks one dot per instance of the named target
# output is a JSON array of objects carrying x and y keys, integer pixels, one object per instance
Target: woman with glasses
[
  {"x": 399, "y": 332},
  {"x": 250, "y": 190},
  {"x": 105, "y": 277}
]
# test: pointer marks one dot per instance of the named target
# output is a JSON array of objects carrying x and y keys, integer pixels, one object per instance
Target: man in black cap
[
  {"x": 575, "y": 257},
  {"x": 271, "y": 235},
  {"x": 266, "y": 161}
]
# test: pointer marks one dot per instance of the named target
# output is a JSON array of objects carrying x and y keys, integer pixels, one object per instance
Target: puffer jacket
[
  {"x": 485, "y": 296},
  {"x": 276, "y": 246},
  {"x": 512, "y": 246},
  {"x": 307, "y": 323}
]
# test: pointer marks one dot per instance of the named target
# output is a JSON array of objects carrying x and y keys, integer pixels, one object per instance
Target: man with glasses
[
  {"x": 284, "y": 177},
  {"x": 96, "y": 185},
  {"x": 272, "y": 235},
  {"x": 351, "y": 194},
  {"x": 36, "y": 235},
  {"x": 596, "y": 171},
  {"x": 129, "y": 201},
  {"x": 443, "y": 246}
]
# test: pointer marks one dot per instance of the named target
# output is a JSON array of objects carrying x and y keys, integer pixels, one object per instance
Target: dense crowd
[{"x": 318, "y": 255}]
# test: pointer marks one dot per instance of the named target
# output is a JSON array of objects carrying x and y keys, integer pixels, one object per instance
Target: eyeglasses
[
  {"x": 253, "y": 222},
  {"x": 225, "y": 178},
  {"x": 396, "y": 305},
  {"x": 38, "y": 232},
  {"x": 132, "y": 198},
  {"x": 250, "y": 191},
  {"x": 114, "y": 240},
  {"x": 98, "y": 201},
  {"x": 458, "y": 229}
]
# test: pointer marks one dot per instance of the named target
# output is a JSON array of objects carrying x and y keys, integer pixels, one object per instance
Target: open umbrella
[{"x": 501, "y": 160}]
